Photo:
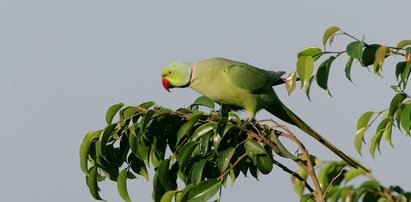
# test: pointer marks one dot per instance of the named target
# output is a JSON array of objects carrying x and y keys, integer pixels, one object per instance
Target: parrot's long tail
[{"x": 278, "y": 109}]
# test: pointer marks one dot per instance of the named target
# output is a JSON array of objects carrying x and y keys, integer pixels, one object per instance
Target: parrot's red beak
[{"x": 166, "y": 84}]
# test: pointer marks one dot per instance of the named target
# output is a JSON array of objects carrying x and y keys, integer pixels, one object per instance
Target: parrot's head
[{"x": 176, "y": 75}]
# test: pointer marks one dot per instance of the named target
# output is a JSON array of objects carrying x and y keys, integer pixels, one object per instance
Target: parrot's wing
[{"x": 252, "y": 79}]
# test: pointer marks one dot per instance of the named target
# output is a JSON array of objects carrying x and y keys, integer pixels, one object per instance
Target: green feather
[{"x": 244, "y": 86}]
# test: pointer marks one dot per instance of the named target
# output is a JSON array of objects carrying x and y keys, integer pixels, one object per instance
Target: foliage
[
  {"x": 200, "y": 150},
  {"x": 398, "y": 113},
  {"x": 334, "y": 178}
]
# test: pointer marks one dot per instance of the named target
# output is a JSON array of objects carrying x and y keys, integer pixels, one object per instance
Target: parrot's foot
[{"x": 249, "y": 117}]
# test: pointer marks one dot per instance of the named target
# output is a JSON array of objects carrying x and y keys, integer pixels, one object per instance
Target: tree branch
[
  {"x": 294, "y": 174},
  {"x": 309, "y": 168}
]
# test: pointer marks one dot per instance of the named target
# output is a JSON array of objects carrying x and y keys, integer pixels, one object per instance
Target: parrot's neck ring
[{"x": 192, "y": 72}]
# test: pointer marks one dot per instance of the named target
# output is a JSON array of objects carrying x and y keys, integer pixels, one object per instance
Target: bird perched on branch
[{"x": 240, "y": 86}]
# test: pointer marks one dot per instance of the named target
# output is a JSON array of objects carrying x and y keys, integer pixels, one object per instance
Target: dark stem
[{"x": 294, "y": 174}]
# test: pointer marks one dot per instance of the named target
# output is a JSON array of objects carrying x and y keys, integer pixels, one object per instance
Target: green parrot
[{"x": 240, "y": 86}]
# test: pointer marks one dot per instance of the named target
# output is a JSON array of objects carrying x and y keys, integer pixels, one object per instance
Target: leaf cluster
[
  {"x": 398, "y": 114},
  {"x": 200, "y": 149},
  {"x": 334, "y": 178}
]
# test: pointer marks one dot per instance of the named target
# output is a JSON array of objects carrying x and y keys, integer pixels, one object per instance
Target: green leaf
[
  {"x": 387, "y": 133},
  {"x": 219, "y": 132},
  {"x": 185, "y": 129},
  {"x": 163, "y": 111},
  {"x": 379, "y": 59},
  {"x": 323, "y": 72},
  {"x": 348, "y": 68},
  {"x": 205, "y": 141},
  {"x": 132, "y": 140},
  {"x": 328, "y": 172},
  {"x": 253, "y": 169},
  {"x": 352, "y": 173},
  {"x": 85, "y": 149},
  {"x": 147, "y": 117},
  {"x": 197, "y": 173},
  {"x": 128, "y": 112},
  {"x": 234, "y": 117},
  {"x": 147, "y": 105},
  {"x": 168, "y": 196},
  {"x": 371, "y": 184},
  {"x": 398, "y": 98},
  {"x": 284, "y": 152},
  {"x": 224, "y": 130},
  {"x": 122, "y": 185},
  {"x": 264, "y": 164},
  {"x": 204, "y": 190},
  {"x": 364, "y": 119},
  {"x": 107, "y": 133},
  {"x": 219, "y": 128},
  {"x": 92, "y": 183},
  {"x": 158, "y": 190},
  {"x": 408, "y": 50},
  {"x": 403, "y": 43},
  {"x": 109, "y": 169},
  {"x": 138, "y": 166},
  {"x": 329, "y": 32},
  {"x": 185, "y": 152},
  {"x": 143, "y": 150},
  {"x": 183, "y": 195},
  {"x": 163, "y": 174},
  {"x": 202, "y": 130},
  {"x": 305, "y": 67},
  {"x": 253, "y": 147},
  {"x": 111, "y": 112},
  {"x": 298, "y": 185},
  {"x": 354, "y": 50},
  {"x": 291, "y": 82},
  {"x": 224, "y": 158},
  {"x": 375, "y": 141},
  {"x": 204, "y": 101},
  {"x": 368, "y": 55},
  {"x": 307, "y": 198},
  {"x": 399, "y": 69},
  {"x": 308, "y": 87},
  {"x": 359, "y": 138},
  {"x": 406, "y": 74},
  {"x": 312, "y": 51},
  {"x": 234, "y": 173},
  {"x": 405, "y": 118},
  {"x": 157, "y": 156}
]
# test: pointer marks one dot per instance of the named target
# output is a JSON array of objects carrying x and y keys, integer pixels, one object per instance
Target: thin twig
[
  {"x": 232, "y": 166},
  {"x": 354, "y": 38},
  {"x": 378, "y": 114},
  {"x": 310, "y": 167},
  {"x": 331, "y": 184}
]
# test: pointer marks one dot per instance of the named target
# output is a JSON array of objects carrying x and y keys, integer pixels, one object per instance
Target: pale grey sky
[{"x": 63, "y": 63}]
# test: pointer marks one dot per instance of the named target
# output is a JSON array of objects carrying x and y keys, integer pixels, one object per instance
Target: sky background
[{"x": 63, "y": 63}]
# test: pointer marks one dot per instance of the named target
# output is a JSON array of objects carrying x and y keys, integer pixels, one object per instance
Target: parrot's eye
[{"x": 169, "y": 72}]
